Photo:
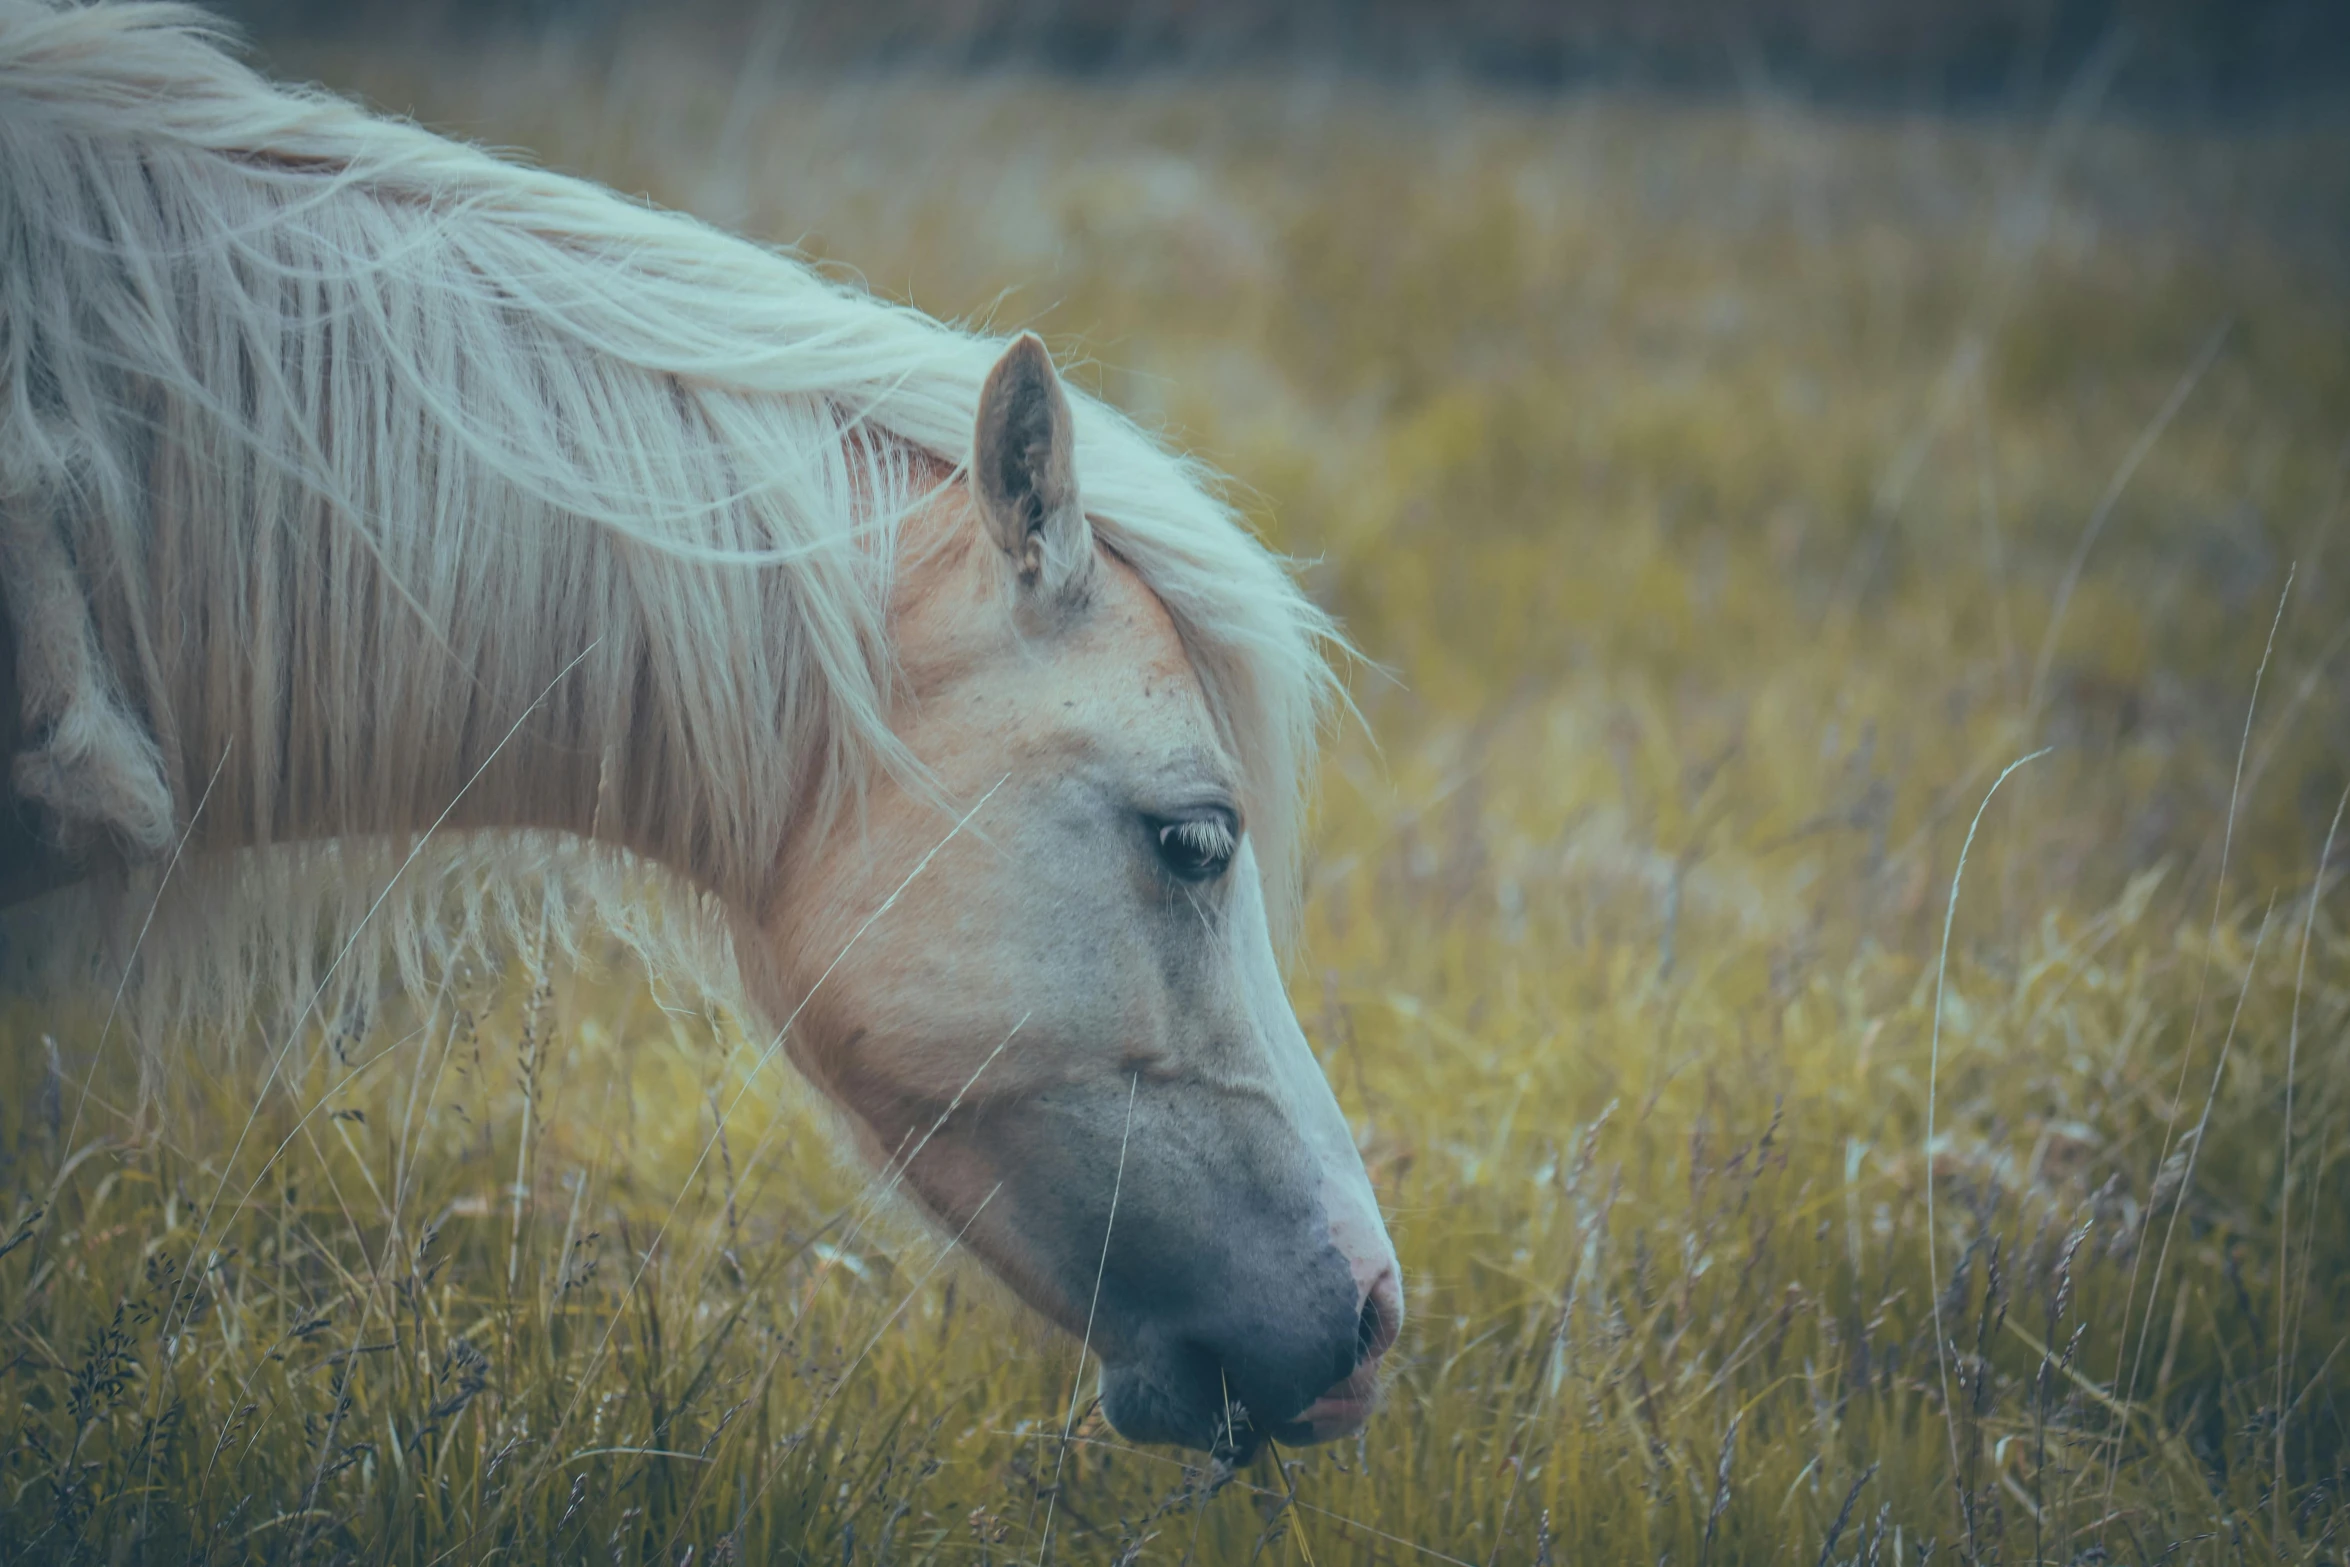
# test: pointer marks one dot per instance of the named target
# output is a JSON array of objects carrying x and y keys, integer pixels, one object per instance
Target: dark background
[{"x": 2223, "y": 56}]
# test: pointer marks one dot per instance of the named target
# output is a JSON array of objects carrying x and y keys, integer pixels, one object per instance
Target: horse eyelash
[{"x": 1207, "y": 836}]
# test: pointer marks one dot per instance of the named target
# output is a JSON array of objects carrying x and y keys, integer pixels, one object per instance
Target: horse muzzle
[{"x": 1230, "y": 1380}]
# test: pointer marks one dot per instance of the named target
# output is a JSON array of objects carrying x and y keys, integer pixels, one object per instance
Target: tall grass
[{"x": 1728, "y": 495}]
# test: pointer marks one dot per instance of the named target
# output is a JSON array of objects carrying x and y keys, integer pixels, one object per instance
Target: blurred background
[
  {"x": 2183, "y": 53},
  {"x": 1733, "y": 433}
]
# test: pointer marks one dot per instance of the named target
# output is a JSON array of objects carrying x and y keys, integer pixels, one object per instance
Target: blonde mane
[{"x": 322, "y": 435}]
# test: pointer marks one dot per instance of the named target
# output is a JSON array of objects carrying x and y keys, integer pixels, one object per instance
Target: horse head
[{"x": 1066, "y": 1029}]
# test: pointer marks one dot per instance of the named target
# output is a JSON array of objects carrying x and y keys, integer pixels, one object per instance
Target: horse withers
[{"x": 362, "y": 495}]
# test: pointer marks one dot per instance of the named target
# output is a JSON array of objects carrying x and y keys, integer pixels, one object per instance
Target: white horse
[{"x": 380, "y": 518}]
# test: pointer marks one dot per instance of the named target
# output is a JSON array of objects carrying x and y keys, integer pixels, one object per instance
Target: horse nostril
[{"x": 1381, "y": 1320}]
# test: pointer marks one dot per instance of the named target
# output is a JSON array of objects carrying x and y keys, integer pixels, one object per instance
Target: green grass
[{"x": 1705, "y": 480}]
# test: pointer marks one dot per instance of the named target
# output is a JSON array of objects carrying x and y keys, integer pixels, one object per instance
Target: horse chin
[{"x": 1145, "y": 1403}]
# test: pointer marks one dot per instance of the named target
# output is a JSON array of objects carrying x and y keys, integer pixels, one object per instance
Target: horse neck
[
  {"x": 320, "y": 686},
  {"x": 307, "y": 605},
  {"x": 547, "y": 741}
]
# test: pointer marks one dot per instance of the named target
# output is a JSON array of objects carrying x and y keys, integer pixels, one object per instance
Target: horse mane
[{"x": 307, "y": 412}]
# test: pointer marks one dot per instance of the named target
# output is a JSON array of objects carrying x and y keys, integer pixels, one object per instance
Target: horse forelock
[{"x": 297, "y": 387}]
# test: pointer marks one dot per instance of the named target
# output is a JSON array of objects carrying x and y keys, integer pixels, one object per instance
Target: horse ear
[{"x": 1023, "y": 468}]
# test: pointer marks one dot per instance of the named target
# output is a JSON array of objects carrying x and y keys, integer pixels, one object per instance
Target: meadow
[{"x": 1799, "y": 1150}]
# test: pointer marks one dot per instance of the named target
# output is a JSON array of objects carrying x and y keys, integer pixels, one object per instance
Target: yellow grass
[{"x": 1704, "y": 480}]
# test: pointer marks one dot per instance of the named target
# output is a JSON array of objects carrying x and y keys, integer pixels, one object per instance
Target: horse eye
[{"x": 1198, "y": 848}]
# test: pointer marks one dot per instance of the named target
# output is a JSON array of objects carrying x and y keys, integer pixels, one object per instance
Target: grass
[{"x": 1729, "y": 493}]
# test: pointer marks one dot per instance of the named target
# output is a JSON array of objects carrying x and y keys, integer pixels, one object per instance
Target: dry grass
[{"x": 1711, "y": 478}]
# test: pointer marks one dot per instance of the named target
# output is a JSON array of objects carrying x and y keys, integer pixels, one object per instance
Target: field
[{"x": 1723, "y": 494}]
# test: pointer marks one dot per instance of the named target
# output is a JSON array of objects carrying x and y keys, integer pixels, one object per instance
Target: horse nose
[
  {"x": 1381, "y": 1319},
  {"x": 1362, "y": 1241},
  {"x": 1274, "y": 1369},
  {"x": 1346, "y": 1404},
  {"x": 1233, "y": 1365},
  {"x": 1327, "y": 1384}
]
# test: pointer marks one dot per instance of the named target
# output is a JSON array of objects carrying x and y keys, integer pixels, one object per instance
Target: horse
[{"x": 384, "y": 522}]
